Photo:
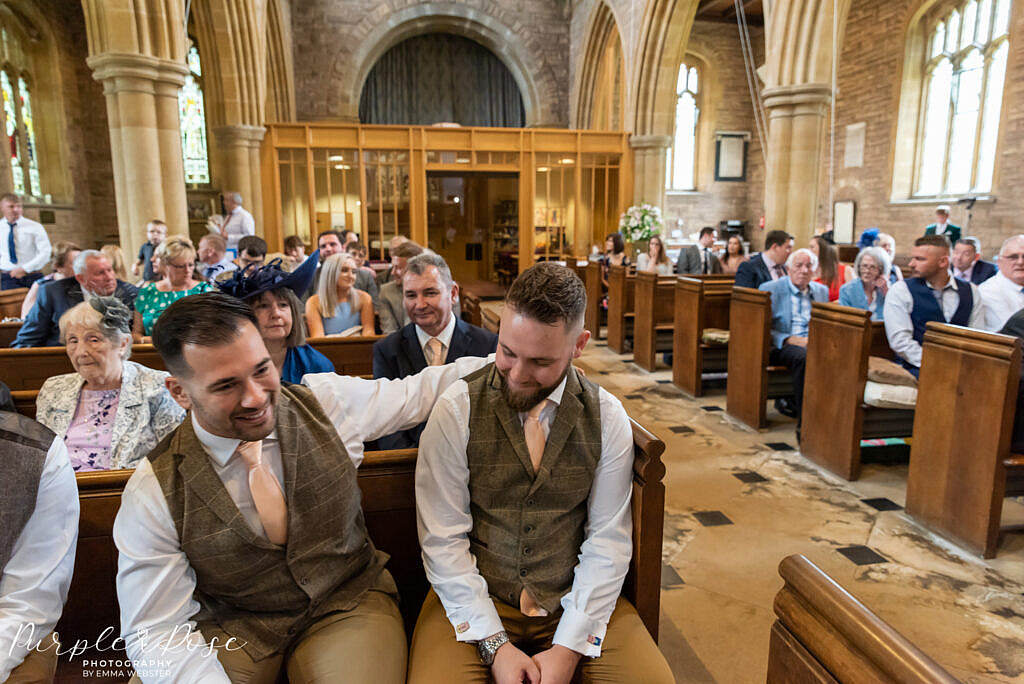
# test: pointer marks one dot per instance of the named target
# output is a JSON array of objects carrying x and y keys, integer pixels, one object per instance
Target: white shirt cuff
[
  {"x": 476, "y": 622},
  {"x": 579, "y": 632}
]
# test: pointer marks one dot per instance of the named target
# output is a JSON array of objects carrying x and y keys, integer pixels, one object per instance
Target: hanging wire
[
  {"x": 188, "y": 8},
  {"x": 832, "y": 119},
  {"x": 750, "y": 70}
]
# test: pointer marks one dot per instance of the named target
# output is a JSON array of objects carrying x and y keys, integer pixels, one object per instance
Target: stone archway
[{"x": 602, "y": 35}]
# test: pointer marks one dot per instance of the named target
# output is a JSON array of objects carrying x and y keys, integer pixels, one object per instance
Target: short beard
[{"x": 524, "y": 402}]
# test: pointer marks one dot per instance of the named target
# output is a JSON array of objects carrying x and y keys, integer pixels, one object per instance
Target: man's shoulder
[
  {"x": 57, "y": 289},
  {"x": 474, "y": 332},
  {"x": 820, "y": 290}
]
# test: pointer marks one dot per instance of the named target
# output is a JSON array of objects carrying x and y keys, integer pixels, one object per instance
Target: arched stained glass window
[
  {"x": 965, "y": 72},
  {"x": 30, "y": 138},
  {"x": 192, "y": 112},
  {"x": 680, "y": 172},
  {"x": 11, "y": 128},
  {"x": 19, "y": 125}
]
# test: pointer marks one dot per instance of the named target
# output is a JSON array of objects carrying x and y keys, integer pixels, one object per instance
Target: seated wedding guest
[
  {"x": 1015, "y": 326},
  {"x": 273, "y": 295},
  {"x": 931, "y": 295},
  {"x": 968, "y": 264},
  {"x": 792, "y": 295},
  {"x": 252, "y": 250},
  {"x": 94, "y": 277},
  {"x": 523, "y": 489},
  {"x": 1003, "y": 293},
  {"x": 110, "y": 412},
  {"x": 831, "y": 272},
  {"x": 867, "y": 291},
  {"x": 435, "y": 336},
  {"x": 366, "y": 277},
  {"x": 24, "y": 246},
  {"x": 614, "y": 255},
  {"x": 700, "y": 258},
  {"x": 888, "y": 243},
  {"x": 156, "y": 232},
  {"x": 295, "y": 250},
  {"x": 38, "y": 538},
  {"x": 769, "y": 264},
  {"x": 389, "y": 304},
  {"x": 64, "y": 254},
  {"x": 246, "y": 522},
  {"x": 176, "y": 258},
  {"x": 655, "y": 260},
  {"x": 213, "y": 258},
  {"x": 328, "y": 243},
  {"x": 386, "y": 276},
  {"x": 117, "y": 261},
  {"x": 733, "y": 256},
  {"x": 338, "y": 308}
]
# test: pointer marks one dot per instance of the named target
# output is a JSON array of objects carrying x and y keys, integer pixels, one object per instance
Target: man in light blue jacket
[{"x": 791, "y": 317}]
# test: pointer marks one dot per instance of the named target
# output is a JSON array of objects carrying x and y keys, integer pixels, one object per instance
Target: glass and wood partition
[{"x": 467, "y": 193}]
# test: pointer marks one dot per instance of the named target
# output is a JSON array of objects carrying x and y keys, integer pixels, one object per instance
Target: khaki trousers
[
  {"x": 39, "y": 666},
  {"x": 628, "y": 653}
]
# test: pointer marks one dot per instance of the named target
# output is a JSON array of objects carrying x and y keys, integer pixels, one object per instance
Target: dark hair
[
  {"x": 407, "y": 250},
  {"x": 357, "y": 247},
  {"x": 252, "y": 245},
  {"x": 940, "y": 241},
  {"x": 548, "y": 293},
  {"x": 335, "y": 233},
  {"x": 776, "y": 237},
  {"x": 618, "y": 246},
  {"x": 828, "y": 260},
  {"x": 293, "y": 241},
  {"x": 705, "y": 230},
  {"x": 973, "y": 242},
  {"x": 210, "y": 319}
]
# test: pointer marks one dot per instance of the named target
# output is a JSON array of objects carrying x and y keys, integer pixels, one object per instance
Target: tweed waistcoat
[
  {"x": 528, "y": 527},
  {"x": 257, "y": 591},
  {"x": 23, "y": 447}
]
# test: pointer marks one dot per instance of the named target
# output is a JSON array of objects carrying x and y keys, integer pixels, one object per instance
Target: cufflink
[
  {"x": 594, "y": 640},
  {"x": 463, "y": 627}
]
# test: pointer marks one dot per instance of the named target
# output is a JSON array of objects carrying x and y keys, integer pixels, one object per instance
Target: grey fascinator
[{"x": 114, "y": 314}]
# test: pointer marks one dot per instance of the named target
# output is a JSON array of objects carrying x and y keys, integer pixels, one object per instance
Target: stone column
[
  {"x": 649, "y": 159},
  {"x": 239, "y": 146},
  {"x": 797, "y": 116},
  {"x": 145, "y": 142}
]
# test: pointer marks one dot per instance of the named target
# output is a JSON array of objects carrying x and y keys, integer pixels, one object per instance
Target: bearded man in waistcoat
[
  {"x": 243, "y": 550},
  {"x": 38, "y": 537},
  {"x": 523, "y": 485}
]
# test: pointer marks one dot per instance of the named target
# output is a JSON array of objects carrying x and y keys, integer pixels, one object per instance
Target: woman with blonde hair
[
  {"x": 62, "y": 261},
  {"x": 176, "y": 259},
  {"x": 338, "y": 308},
  {"x": 116, "y": 257}
]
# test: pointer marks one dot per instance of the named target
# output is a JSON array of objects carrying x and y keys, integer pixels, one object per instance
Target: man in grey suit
[{"x": 699, "y": 258}]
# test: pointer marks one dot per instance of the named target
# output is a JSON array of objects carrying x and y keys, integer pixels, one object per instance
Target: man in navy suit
[
  {"x": 433, "y": 338},
  {"x": 93, "y": 275},
  {"x": 770, "y": 264},
  {"x": 968, "y": 264}
]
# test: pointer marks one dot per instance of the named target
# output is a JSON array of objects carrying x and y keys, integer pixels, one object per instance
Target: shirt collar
[
  {"x": 220, "y": 449},
  {"x": 768, "y": 260},
  {"x": 951, "y": 283},
  {"x": 793, "y": 288},
  {"x": 445, "y": 336}
]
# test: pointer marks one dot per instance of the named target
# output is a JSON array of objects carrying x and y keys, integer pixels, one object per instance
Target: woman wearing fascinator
[
  {"x": 111, "y": 412},
  {"x": 273, "y": 294}
]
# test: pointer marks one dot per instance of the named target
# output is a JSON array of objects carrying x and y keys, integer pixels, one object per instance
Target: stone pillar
[
  {"x": 649, "y": 159},
  {"x": 797, "y": 116},
  {"x": 145, "y": 142},
  {"x": 239, "y": 147}
]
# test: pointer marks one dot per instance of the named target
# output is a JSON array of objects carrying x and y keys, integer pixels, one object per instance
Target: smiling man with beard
[
  {"x": 243, "y": 550},
  {"x": 523, "y": 485}
]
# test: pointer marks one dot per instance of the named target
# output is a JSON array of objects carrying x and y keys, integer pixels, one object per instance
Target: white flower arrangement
[{"x": 640, "y": 223}]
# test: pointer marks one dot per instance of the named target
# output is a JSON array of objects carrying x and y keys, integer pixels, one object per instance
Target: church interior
[{"x": 849, "y": 541}]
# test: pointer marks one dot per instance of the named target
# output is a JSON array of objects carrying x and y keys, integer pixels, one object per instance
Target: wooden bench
[
  {"x": 835, "y": 417},
  {"x": 8, "y": 331},
  {"x": 960, "y": 461},
  {"x": 592, "y": 315},
  {"x": 620, "y": 307},
  {"x": 10, "y": 302},
  {"x": 701, "y": 302},
  {"x": 752, "y": 381},
  {"x": 25, "y": 402},
  {"x": 350, "y": 355},
  {"x": 654, "y": 296},
  {"x": 822, "y": 634}
]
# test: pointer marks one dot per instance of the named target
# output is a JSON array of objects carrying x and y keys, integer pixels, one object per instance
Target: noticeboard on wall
[{"x": 731, "y": 156}]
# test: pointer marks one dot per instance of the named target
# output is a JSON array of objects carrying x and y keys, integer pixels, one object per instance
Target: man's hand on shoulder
[
  {"x": 557, "y": 664},
  {"x": 512, "y": 666}
]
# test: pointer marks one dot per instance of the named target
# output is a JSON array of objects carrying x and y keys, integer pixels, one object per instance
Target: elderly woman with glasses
[
  {"x": 176, "y": 260},
  {"x": 867, "y": 291},
  {"x": 111, "y": 412}
]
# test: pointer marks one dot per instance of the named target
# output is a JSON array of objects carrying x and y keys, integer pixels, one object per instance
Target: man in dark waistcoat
[
  {"x": 523, "y": 486},
  {"x": 38, "y": 537},
  {"x": 243, "y": 550}
]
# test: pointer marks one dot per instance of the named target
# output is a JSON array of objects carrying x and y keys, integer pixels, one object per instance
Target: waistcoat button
[
  {"x": 528, "y": 529},
  {"x": 522, "y": 573},
  {"x": 527, "y": 550}
]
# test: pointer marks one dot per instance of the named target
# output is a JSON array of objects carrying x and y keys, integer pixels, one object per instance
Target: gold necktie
[
  {"x": 436, "y": 350},
  {"x": 535, "y": 441},
  {"x": 266, "y": 492}
]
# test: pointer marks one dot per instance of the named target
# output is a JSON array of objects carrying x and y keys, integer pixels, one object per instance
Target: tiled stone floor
[{"x": 739, "y": 501}]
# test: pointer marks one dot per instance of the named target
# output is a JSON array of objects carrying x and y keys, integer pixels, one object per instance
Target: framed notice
[
  {"x": 731, "y": 156},
  {"x": 843, "y": 221}
]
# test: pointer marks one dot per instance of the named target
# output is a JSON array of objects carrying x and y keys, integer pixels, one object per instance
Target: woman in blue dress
[
  {"x": 274, "y": 296},
  {"x": 338, "y": 308}
]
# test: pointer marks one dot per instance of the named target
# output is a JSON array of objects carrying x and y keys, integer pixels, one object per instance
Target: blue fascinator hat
[{"x": 254, "y": 280}]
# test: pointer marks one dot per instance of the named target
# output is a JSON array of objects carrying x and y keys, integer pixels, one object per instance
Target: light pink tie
[
  {"x": 266, "y": 492},
  {"x": 436, "y": 349},
  {"x": 535, "y": 441}
]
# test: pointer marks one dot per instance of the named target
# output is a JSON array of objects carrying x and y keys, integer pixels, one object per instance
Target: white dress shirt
[
  {"x": 1003, "y": 298},
  {"x": 444, "y": 521},
  {"x": 239, "y": 223},
  {"x": 899, "y": 328},
  {"x": 445, "y": 337},
  {"x": 964, "y": 275},
  {"x": 31, "y": 244},
  {"x": 222, "y": 266},
  {"x": 155, "y": 582},
  {"x": 35, "y": 581}
]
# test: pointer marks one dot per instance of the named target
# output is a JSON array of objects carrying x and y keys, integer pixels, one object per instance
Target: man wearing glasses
[{"x": 1004, "y": 292}]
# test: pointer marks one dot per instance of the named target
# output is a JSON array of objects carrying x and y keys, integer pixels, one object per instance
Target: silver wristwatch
[{"x": 486, "y": 648}]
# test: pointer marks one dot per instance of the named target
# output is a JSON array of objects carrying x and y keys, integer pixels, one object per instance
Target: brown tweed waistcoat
[
  {"x": 23, "y": 447},
  {"x": 256, "y": 591},
  {"x": 528, "y": 527}
]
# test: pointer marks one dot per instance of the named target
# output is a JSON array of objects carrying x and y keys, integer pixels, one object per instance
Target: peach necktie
[
  {"x": 266, "y": 492},
  {"x": 436, "y": 350},
  {"x": 535, "y": 441}
]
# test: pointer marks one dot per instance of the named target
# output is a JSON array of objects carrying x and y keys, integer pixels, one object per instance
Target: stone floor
[{"x": 739, "y": 501}]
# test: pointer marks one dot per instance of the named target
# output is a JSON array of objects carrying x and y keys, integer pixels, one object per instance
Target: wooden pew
[
  {"x": 960, "y": 461},
  {"x": 752, "y": 381},
  {"x": 350, "y": 355},
  {"x": 10, "y": 302},
  {"x": 620, "y": 307},
  {"x": 655, "y": 308},
  {"x": 822, "y": 634},
  {"x": 25, "y": 402},
  {"x": 592, "y": 315},
  {"x": 701, "y": 302},
  {"x": 8, "y": 331},
  {"x": 835, "y": 417}
]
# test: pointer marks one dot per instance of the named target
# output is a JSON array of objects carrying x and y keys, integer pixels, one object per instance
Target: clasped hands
[{"x": 553, "y": 666}]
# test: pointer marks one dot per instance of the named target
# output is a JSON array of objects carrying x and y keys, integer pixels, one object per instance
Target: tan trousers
[
  {"x": 38, "y": 667},
  {"x": 628, "y": 653}
]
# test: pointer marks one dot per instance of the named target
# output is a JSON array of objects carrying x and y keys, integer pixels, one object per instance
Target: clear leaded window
[
  {"x": 19, "y": 125},
  {"x": 682, "y": 156},
  {"x": 962, "y": 96},
  {"x": 193, "y": 121}
]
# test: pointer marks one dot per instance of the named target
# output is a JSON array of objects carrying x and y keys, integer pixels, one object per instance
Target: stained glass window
[
  {"x": 963, "y": 93},
  {"x": 680, "y": 168},
  {"x": 193, "y": 121},
  {"x": 12, "y": 130},
  {"x": 30, "y": 138}
]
